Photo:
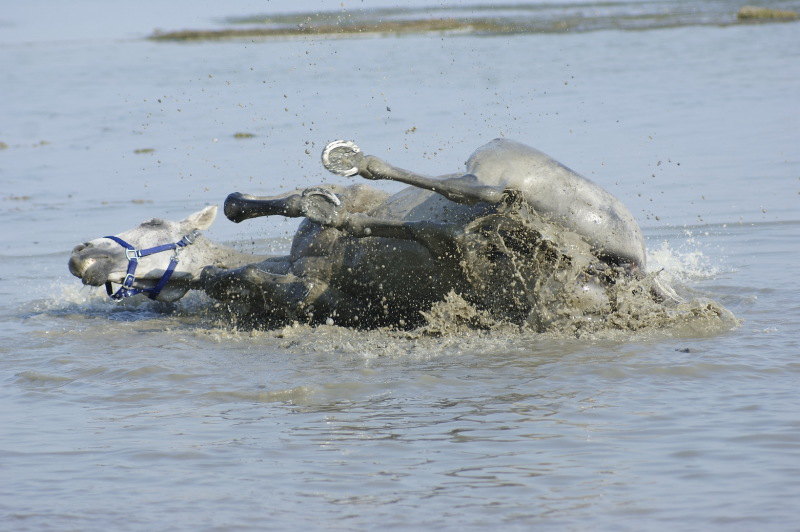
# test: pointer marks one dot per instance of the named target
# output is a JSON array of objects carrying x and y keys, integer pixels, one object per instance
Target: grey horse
[{"x": 364, "y": 258}]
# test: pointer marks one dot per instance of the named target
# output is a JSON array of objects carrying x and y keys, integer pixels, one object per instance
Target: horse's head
[{"x": 156, "y": 258}]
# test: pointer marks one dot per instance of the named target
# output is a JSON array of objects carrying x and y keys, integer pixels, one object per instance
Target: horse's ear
[{"x": 200, "y": 220}]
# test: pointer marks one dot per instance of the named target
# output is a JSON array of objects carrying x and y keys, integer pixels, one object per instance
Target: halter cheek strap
[{"x": 133, "y": 255}]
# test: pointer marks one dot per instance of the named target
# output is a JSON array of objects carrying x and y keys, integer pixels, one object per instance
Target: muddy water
[{"x": 142, "y": 416}]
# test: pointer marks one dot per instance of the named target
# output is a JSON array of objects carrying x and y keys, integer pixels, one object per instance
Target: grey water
[{"x": 139, "y": 416}]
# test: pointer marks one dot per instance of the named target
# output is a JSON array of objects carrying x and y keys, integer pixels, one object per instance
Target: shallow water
[{"x": 143, "y": 416}]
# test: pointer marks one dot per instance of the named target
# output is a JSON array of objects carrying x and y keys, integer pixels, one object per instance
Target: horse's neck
[{"x": 208, "y": 253}]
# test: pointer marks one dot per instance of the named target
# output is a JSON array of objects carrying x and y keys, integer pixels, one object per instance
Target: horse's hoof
[
  {"x": 235, "y": 207},
  {"x": 341, "y": 157},
  {"x": 322, "y": 206}
]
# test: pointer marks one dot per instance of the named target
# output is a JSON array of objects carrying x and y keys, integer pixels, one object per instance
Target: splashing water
[
  {"x": 521, "y": 274},
  {"x": 526, "y": 271},
  {"x": 682, "y": 265}
]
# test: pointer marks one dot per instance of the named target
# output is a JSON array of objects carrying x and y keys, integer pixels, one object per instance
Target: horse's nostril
[{"x": 80, "y": 247}]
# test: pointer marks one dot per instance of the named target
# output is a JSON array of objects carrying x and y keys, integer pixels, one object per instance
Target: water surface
[{"x": 139, "y": 416}]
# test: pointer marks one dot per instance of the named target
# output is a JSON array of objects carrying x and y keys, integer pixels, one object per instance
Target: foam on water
[{"x": 685, "y": 264}]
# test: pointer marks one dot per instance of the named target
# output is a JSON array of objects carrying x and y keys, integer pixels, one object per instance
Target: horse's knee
[
  {"x": 209, "y": 273},
  {"x": 251, "y": 274}
]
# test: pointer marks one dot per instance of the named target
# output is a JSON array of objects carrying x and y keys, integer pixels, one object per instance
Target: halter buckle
[
  {"x": 189, "y": 238},
  {"x": 128, "y": 281},
  {"x": 132, "y": 254}
]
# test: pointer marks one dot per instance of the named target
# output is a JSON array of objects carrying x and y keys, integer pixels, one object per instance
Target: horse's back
[
  {"x": 562, "y": 195},
  {"x": 556, "y": 192},
  {"x": 546, "y": 183}
]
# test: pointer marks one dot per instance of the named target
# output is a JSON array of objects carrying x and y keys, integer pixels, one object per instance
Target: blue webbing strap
[
  {"x": 153, "y": 292},
  {"x": 126, "y": 289}
]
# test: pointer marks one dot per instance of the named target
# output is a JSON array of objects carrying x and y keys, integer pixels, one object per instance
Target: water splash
[
  {"x": 683, "y": 264},
  {"x": 521, "y": 275},
  {"x": 524, "y": 270}
]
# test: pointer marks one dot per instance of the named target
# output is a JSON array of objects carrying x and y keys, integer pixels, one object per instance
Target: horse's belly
[{"x": 384, "y": 269}]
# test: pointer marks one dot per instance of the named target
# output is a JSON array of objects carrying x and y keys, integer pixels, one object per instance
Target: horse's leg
[
  {"x": 437, "y": 237},
  {"x": 345, "y": 158},
  {"x": 240, "y": 207},
  {"x": 286, "y": 297},
  {"x": 356, "y": 198}
]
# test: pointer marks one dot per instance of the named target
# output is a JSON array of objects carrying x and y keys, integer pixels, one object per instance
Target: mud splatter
[
  {"x": 526, "y": 272},
  {"x": 525, "y": 275}
]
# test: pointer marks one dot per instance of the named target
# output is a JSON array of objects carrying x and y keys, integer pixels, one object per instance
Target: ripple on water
[{"x": 35, "y": 378}]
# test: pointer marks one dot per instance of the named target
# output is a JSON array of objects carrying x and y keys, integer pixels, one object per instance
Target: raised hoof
[
  {"x": 341, "y": 157},
  {"x": 235, "y": 207},
  {"x": 322, "y": 206}
]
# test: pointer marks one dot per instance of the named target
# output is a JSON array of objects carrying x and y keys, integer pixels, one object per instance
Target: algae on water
[
  {"x": 756, "y": 13},
  {"x": 485, "y": 19}
]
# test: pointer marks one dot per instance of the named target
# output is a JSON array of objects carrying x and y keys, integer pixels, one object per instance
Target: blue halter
[{"x": 126, "y": 289}]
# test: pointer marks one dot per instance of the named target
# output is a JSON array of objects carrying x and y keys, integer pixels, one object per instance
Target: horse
[{"x": 502, "y": 235}]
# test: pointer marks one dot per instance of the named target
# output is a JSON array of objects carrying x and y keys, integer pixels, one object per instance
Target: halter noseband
[{"x": 126, "y": 289}]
